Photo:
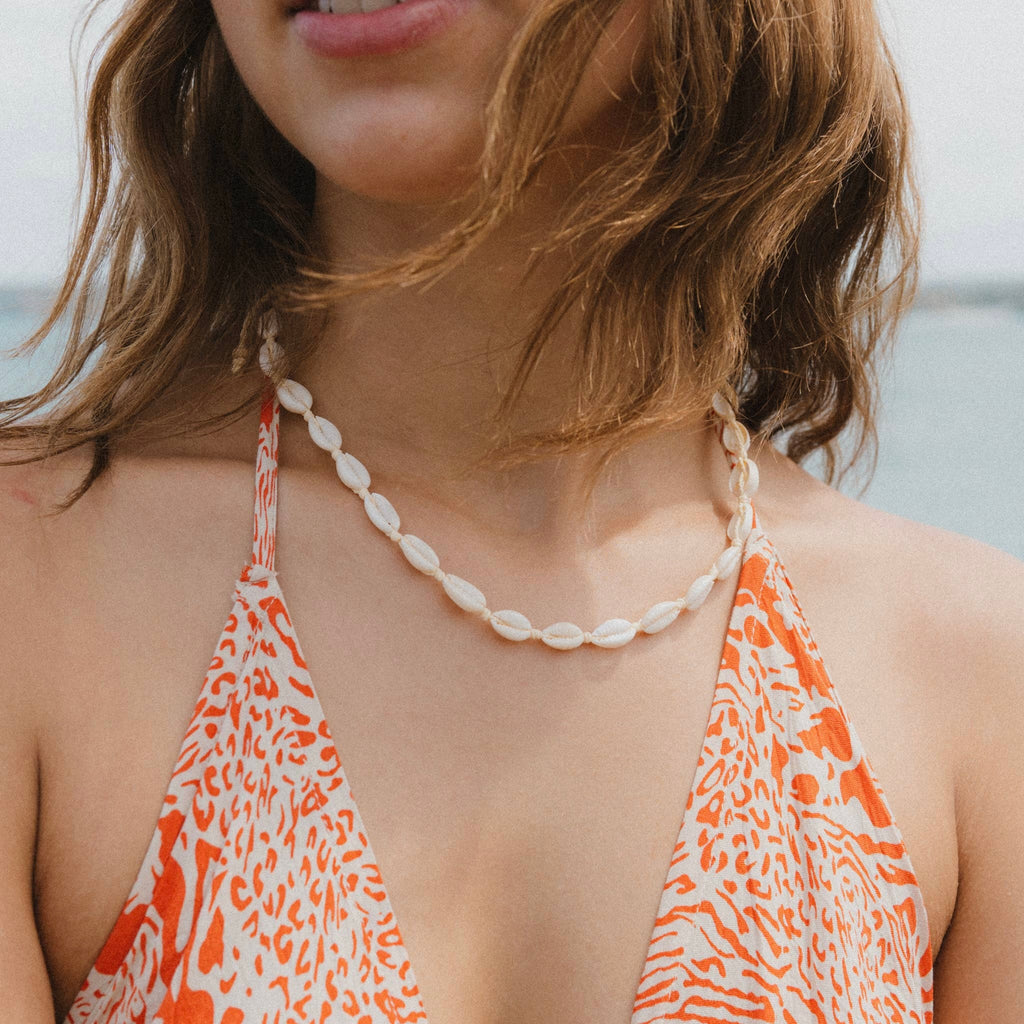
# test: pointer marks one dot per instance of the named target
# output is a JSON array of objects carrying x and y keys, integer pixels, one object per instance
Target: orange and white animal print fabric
[{"x": 789, "y": 897}]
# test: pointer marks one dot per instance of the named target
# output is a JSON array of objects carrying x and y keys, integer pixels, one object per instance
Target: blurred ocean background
[{"x": 952, "y": 416}]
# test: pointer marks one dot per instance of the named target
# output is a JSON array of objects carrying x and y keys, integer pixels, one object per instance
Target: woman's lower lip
[{"x": 389, "y": 30}]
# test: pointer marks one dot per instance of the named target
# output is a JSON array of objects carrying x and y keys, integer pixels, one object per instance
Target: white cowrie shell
[
  {"x": 660, "y": 615},
  {"x": 463, "y": 593},
  {"x": 699, "y": 590},
  {"x": 511, "y": 625},
  {"x": 324, "y": 433},
  {"x": 737, "y": 484},
  {"x": 735, "y": 437},
  {"x": 381, "y": 512},
  {"x": 727, "y": 561},
  {"x": 721, "y": 405},
  {"x": 562, "y": 636},
  {"x": 741, "y": 523},
  {"x": 351, "y": 471},
  {"x": 419, "y": 554},
  {"x": 613, "y": 633},
  {"x": 294, "y": 397},
  {"x": 270, "y": 355}
]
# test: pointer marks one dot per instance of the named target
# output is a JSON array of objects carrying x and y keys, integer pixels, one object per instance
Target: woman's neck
[{"x": 412, "y": 378}]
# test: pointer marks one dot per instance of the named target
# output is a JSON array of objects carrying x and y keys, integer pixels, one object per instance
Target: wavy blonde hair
[{"x": 739, "y": 240}]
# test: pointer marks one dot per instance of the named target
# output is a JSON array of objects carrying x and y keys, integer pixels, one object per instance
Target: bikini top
[{"x": 789, "y": 895}]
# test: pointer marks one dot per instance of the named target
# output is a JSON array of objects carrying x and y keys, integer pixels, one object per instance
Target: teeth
[{"x": 351, "y": 6}]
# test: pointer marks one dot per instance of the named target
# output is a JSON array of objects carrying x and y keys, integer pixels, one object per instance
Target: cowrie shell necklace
[{"x": 513, "y": 625}]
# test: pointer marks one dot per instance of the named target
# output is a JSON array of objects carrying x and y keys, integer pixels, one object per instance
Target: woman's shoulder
[
  {"x": 163, "y": 513},
  {"x": 928, "y": 577},
  {"x": 191, "y": 478}
]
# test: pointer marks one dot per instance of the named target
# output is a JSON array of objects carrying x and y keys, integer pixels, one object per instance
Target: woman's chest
[{"x": 525, "y": 821}]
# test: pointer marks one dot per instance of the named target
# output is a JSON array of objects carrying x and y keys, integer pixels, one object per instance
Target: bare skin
[{"x": 511, "y": 771}]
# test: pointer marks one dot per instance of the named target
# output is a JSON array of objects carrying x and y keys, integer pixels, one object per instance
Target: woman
[{"x": 619, "y": 216}]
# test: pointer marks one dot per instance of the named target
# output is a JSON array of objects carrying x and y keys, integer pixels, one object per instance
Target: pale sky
[{"x": 961, "y": 65}]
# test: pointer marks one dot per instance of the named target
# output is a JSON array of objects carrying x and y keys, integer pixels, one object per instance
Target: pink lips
[{"x": 389, "y": 30}]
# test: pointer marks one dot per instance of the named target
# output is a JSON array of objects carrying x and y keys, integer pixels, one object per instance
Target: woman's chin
[{"x": 391, "y": 180}]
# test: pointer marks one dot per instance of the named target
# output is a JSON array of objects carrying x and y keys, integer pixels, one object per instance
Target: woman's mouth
[{"x": 360, "y": 28}]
